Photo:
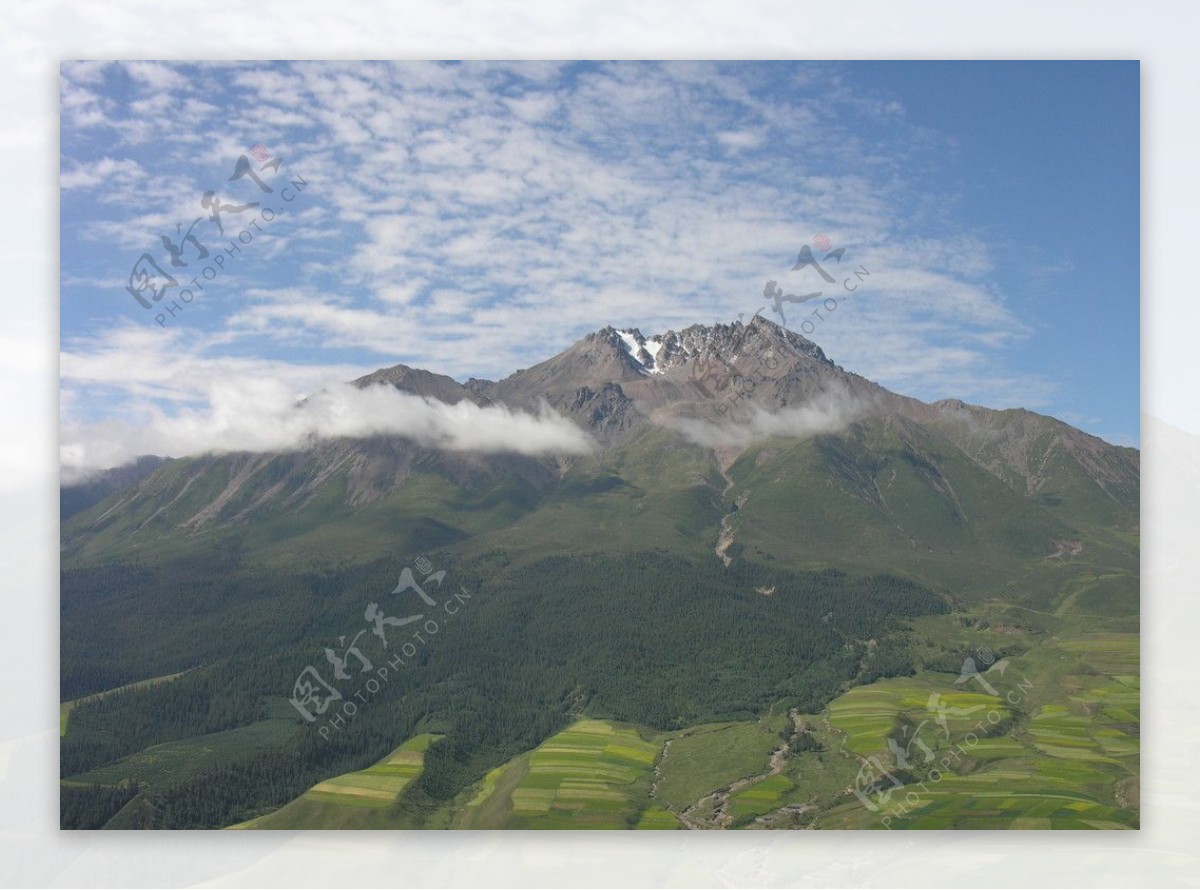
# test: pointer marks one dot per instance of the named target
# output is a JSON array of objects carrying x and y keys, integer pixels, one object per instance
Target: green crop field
[{"x": 1020, "y": 793}]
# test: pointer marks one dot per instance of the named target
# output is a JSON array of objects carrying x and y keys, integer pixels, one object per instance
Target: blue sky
[
  {"x": 476, "y": 218},
  {"x": 1045, "y": 169}
]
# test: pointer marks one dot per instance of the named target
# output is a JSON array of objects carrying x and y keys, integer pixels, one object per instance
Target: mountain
[
  {"x": 755, "y": 532},
  {"x": 691, "y": 426}
]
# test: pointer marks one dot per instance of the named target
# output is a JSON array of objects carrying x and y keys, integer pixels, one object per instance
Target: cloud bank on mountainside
[{"x": 266, "y": 416}]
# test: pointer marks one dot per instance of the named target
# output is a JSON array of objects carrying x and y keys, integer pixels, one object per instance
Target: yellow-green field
[
  {"x": 1022, "y": 793},
  {"x": 353, "y": 800},
  {"x": 594, "y": 774},
  {"x": 759, "y": 798},
  {"x": 657, "y": 819},
  {"x": 379, "y": 785},
  {"x": 868, "y": 715}
]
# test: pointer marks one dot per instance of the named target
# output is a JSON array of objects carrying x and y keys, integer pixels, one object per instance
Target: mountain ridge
[{"x": 675, "y": 425}]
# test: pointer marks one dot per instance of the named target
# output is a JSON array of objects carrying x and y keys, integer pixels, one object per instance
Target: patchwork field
[
  {"x": 1057, "y": 749},
  {"x": 657, "y": 819},
  {"x": 1020, "y": 793}
]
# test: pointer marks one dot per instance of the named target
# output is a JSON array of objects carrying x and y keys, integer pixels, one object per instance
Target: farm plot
[
  {"x": 591, "y": 775},
  {"x": 347, "y": 801},
  {"x": 927, "y": 708}
]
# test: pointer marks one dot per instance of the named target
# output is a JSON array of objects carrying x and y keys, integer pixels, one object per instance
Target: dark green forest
[{"x": 649, "y": 638}]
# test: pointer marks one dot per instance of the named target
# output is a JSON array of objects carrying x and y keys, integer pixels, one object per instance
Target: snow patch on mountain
[{"x": 641, "y": 350}]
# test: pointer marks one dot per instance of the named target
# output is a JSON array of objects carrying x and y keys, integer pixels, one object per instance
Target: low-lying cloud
[
  {"x": 828, "y": 412},
  {"x": 266, "y": 416}
]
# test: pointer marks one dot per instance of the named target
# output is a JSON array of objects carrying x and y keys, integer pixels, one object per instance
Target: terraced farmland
[
  {"x": 1057, "y": 754},
  {"x": 1117, "y": 654}
]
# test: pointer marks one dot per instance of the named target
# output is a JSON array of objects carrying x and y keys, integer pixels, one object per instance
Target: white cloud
[
  {"x": 828, "y": 412},
  {"x": 89, "y": 175},
  {"x": 463, "y": 206},
  {"x": 739, "y": 139},
  {"x": 156, "y": 75},
  {"x": 264, "y": 415}
]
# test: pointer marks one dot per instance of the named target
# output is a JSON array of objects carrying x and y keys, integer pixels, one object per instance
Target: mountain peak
[{"x": 658, "y": 353}]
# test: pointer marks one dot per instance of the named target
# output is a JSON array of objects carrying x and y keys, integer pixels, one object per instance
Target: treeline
[
  {"x": 253, "y": 785},
  {"x": 123, "y": 723}
]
